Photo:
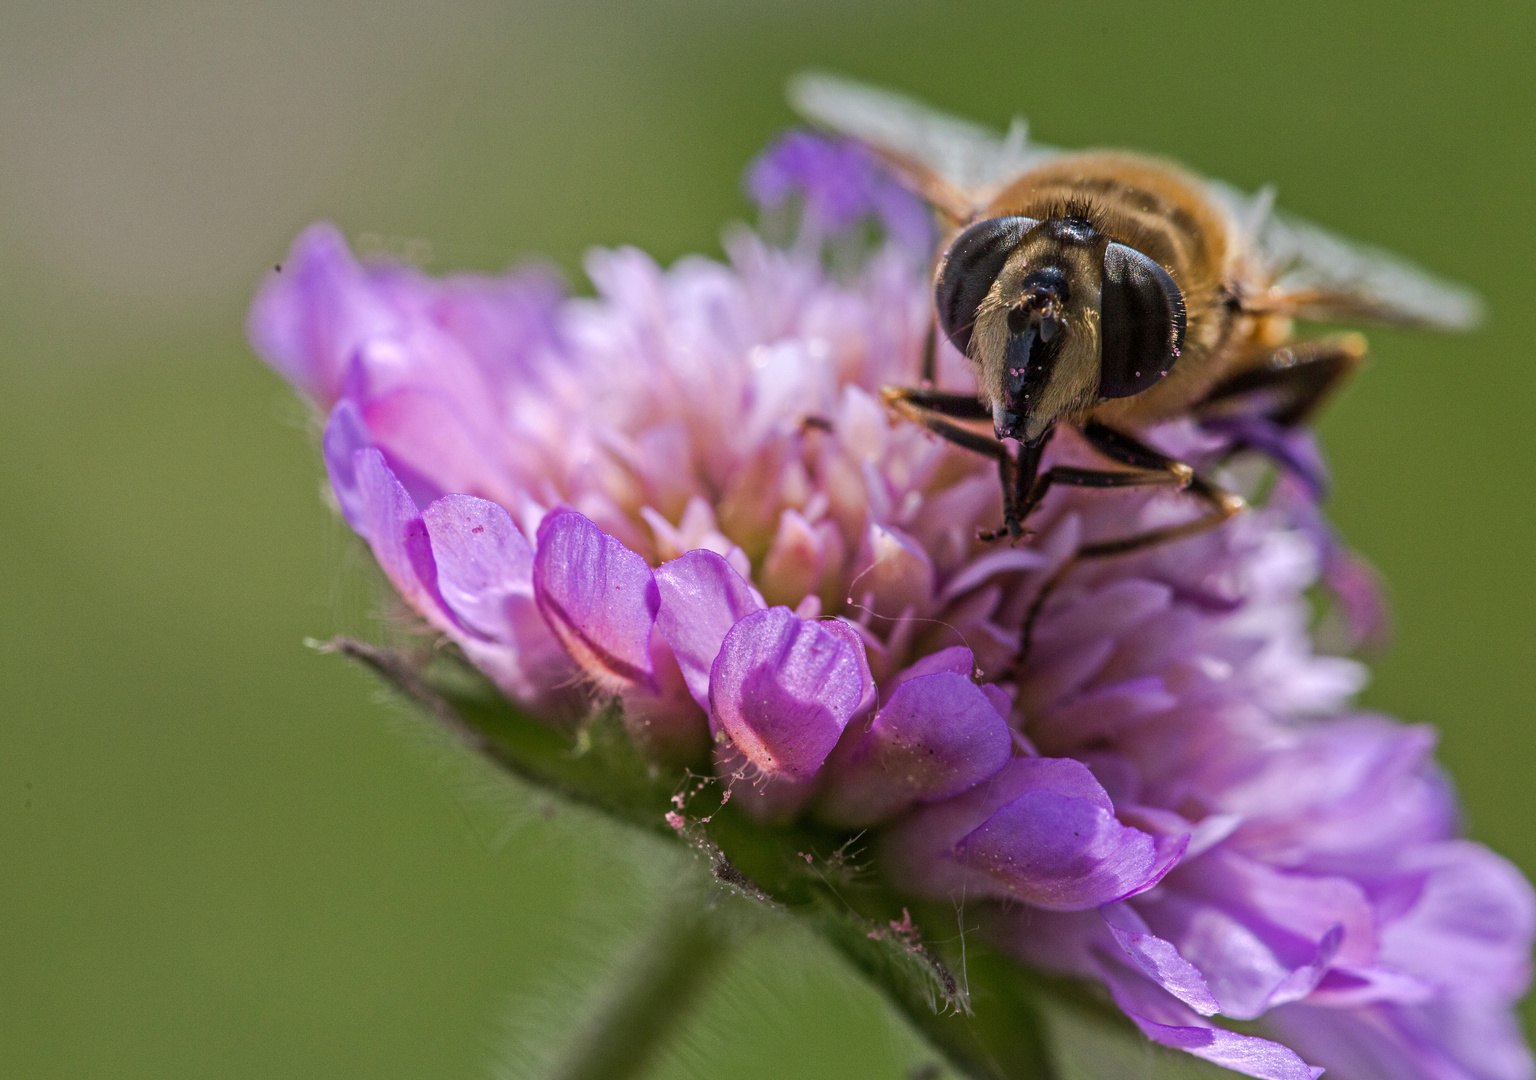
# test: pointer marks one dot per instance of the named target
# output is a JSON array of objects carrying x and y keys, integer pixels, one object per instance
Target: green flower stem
[{"x": 646, "y": 1002}]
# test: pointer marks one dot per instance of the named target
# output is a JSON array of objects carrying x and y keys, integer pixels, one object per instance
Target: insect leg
[
  {"x": 1118, "y": 446},
  {"x": 1025, "y": 472},
  {"x": 1151, "y": 469},
  {"x": 1289, "y": 384},
  {"x": 938, "y": 411},
  {"x": 930, "y": 354},
  {"x": 906, "y": 399}
]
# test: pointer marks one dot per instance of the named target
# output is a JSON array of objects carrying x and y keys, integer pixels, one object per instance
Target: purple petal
[
  {"x": 1247, "y": 1054},
  {"x": 1452, "y": 1038},
  {"x": 313, "y": 311},
  {"x": 702, "y": 597},
  {"x": 854, "y": 638},
  {"x": 389, "y": 521},
  {"x": 345, "y": 435},
  {"x": 1347, "y": 988},
  {"x": 598, "y": 597},
  {"x": 1042, "y": 830},
  {"x": 1471, "y": 924},
  {"x": 1158, "y": 960},
  {"x": 1203, "y": 834},
  {"x": 1291, "y": 913},
  {"x": 840, "y": 182},
  {"x": 1249, "y": 965},
  {"x": 1169, "y": 1023},
  {"x": 1344, "y": 790},
  {"x": 957, "y": 659},
  {"x": 483, "y": 561},
  {"x": 1057, "y": 844},
  {"x": 783, "y": 689},
  {"x": 1004, "y": 706},
  {"x": 1301, "y": 982},
  {"x": 938, "y": 735},
  {"x": 1293, "y": 449}
]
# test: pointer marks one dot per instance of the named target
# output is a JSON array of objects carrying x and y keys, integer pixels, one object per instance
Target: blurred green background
[{"x": 222, "y": 854}]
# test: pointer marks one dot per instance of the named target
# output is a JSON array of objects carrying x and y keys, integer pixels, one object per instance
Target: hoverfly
[{"x": 1110, "y": 291}]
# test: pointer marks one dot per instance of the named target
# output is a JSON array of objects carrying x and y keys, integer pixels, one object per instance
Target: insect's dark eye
[
  {"x": 1142, "y": 326},
  {"x": 970, "y": 266}
]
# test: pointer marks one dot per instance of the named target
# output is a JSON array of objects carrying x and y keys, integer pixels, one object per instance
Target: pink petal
[
  {"x": 702, "y": 597},
  {"x": 938, "y": 735},
  {"x": 312, "y": 312},
  {"x": 783, "y": 690},
  {"x": 894, "y": 574},
  {"x": 598, "y": 597},
  {"x": 483, "y": 561},
  {"x": 394, "y": 529},
  {"x": 1057, "y": 844}
]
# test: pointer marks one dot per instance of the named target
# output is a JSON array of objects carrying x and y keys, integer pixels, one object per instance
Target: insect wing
[
  {"x": 957, "y": 164},
  {"x": 1319, "y": 275}
]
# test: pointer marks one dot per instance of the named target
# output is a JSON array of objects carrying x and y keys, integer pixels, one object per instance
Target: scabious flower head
[{"x": 685, "y": 494}]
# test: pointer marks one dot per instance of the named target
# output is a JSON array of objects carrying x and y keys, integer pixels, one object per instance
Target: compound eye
[
  {"x": 1141, "y": 329},
  {"x": 970, "y": 266}
]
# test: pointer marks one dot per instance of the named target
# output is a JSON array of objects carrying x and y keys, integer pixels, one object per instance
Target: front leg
[
  {"x": 1024, "y": 486},
  {"x": 1287, "y": 385},
  {"x": 1147, "y": 468},
  {"x": 1152, "y": 468},
  {"x": 1118, "y": 446},
  {"x": 1261, "y": 406},
  {"x": 939, "y": 411}
]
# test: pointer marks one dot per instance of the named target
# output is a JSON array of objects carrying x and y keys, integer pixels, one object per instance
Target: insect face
[
  {"x": 1057, "y": 317},
  {"x": 1082, "y": 279}
]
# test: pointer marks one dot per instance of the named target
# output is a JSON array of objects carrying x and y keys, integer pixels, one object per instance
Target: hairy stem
[{"x": 648, "y": 999}]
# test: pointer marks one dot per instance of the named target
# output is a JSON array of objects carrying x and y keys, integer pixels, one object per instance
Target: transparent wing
[
  {"x": 967, "y": 158},
  {"x": 958, "y": 165},
  {"x": 1319, "y": 275}
]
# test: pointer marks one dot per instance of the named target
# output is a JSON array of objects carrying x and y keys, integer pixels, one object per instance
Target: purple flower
[
  {"x": 683, "y": 493},
  {"x": 840, "y": 183}
]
